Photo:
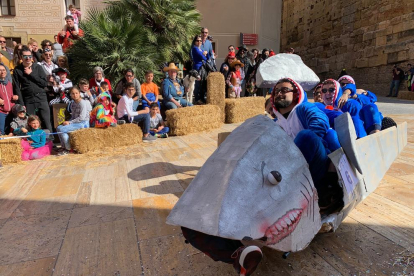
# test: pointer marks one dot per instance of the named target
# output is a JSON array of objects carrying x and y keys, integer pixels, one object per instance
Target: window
[
  {"x": 8, "y": 7},
  {"x": 72, "y": 2}
]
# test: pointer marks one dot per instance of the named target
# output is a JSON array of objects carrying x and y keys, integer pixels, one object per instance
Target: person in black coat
[{"x": 29, "y": 83}]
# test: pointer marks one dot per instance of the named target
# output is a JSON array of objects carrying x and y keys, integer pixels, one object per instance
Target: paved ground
[
  {"x": 101, "y": 214},
  {"x": 395, "y": 106}
]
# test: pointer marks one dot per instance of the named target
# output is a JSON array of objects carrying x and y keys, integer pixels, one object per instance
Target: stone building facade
[
  {"x": 366, "y": 37},
  {"x": 224, "y": 19},
  {"x": 39, "y": 19}
]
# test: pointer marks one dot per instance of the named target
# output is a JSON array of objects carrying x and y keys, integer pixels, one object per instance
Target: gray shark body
[{"x": 234, "y": 195}]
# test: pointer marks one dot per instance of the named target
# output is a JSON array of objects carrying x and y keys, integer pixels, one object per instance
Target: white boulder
[{"x": 285, "y": 66}]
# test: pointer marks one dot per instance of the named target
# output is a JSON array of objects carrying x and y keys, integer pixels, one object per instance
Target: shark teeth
[{"x": 283, "y": 227}]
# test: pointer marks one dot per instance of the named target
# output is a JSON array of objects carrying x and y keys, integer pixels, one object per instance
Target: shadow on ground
[{"x": 66, "y": 238}]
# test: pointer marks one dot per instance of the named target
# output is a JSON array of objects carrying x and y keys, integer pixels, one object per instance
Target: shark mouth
[{"x": 283, "y": 227}]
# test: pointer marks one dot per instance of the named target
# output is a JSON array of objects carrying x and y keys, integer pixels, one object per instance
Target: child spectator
[
  {"x": 79, "y": 119},
  {"x": 157, "y": 127},
  {"x": 125, "y": 112},
  {"x": 18, "y": 126},
  {"x": 55, "y": 91},
  {"x": 85, "y": 94},
  {"x": 96, "y": 91},
  {"x": 103, "y": 114},
  {"x": 234, "y": 79},
  {"x": 149, "y": 91},
  {"x": 62, "y": 87},
  {"x": 76, "y": 16},
  {"x": 35, "y": 147}
]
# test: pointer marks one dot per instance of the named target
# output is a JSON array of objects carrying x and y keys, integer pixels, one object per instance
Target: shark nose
[{"x": 274, "y": 177}]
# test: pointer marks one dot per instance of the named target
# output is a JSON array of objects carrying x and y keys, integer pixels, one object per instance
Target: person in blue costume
[
  {"x": 364, "y": 97},
  {"x": 307, "y": 125},
  {"x": 366, "y": 118},
  {"x": 369, "y": 112}
]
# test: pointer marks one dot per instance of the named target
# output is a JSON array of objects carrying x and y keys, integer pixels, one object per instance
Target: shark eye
[{"x": 274, "y": 177}]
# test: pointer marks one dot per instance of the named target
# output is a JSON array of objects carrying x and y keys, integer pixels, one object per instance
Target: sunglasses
[
  {"x": 47, "y": 55},
  {"x": 343, "y": 83},
  {"x": 129, "y": 76},
  {"x": 284, "y": 90},
  {"x": 2, "y": 41},
  {"x": 27, "y": 56},
  {"x": 198, "y": 40},
  {"x": 331, "y": 90}
]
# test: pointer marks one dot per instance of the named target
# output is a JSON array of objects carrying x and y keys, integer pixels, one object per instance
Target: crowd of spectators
[{"x": 36, "y": 77}]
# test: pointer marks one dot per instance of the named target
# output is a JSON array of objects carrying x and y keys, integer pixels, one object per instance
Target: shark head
[{"x": 256, "y": 185}]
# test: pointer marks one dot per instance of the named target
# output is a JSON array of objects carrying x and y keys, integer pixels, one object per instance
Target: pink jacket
[{"x": 6, "y": 94}]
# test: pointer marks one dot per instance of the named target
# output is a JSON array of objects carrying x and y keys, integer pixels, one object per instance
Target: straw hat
[
  {"x": 236, "y": 62},
  {"x": 171, "y": 66}
]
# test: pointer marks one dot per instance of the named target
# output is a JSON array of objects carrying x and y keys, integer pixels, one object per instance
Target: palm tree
[{"x": 137, "y": 34}]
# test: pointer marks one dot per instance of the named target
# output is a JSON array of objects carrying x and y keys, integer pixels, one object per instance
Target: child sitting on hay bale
[
  {"x": 35, "y": 147},
  {"x": 125, "y": 112},
  {"x": 80, "y": 119},
  {"x": 18, "y": 126},
  {"x": 103, "y": 114},
  {"x": 157, "y": 127}
]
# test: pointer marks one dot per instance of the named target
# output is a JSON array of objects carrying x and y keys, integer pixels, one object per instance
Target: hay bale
[
  {"x": 405, "y": 95},
  {"x": 239, "y": 110},
  {"x": 216, "y": 91},
  {"x": 183, "y": 121},
  {"x": 93, "y": 139},
  {"x": 10, "y": 151}
]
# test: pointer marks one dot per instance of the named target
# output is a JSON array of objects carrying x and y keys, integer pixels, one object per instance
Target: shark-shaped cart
[
  {"x": 257, "y": 188},
  {"x": 236, "y": 195}
]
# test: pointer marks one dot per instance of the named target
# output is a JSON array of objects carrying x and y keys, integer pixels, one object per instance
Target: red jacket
[
  {"x": 67, "y": 40},
  {"x": 92, "y": 83},
  {"x": 6, "y": 94}
]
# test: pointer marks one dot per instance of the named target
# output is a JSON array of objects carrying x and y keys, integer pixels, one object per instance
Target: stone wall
[{"x": 366, "y": 37}]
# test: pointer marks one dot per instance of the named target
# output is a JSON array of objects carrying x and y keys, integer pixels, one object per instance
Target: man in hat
[
  {"x": 29, "y": 82},
  {"x": 172, "y": 89}
]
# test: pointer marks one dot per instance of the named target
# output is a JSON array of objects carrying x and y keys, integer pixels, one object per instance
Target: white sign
[{"x": 348, "y": 176}]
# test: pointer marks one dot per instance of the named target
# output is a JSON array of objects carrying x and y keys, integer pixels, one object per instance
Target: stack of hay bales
[
  {"x": 10, "y": 151},
  {"x": 93, "y": 139},
  {"x": 216, "y": 91},
  {"x": 241, "y": 109},
  {"x": 406, "y": 95},
  {"x": 183, "y": 121}
]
